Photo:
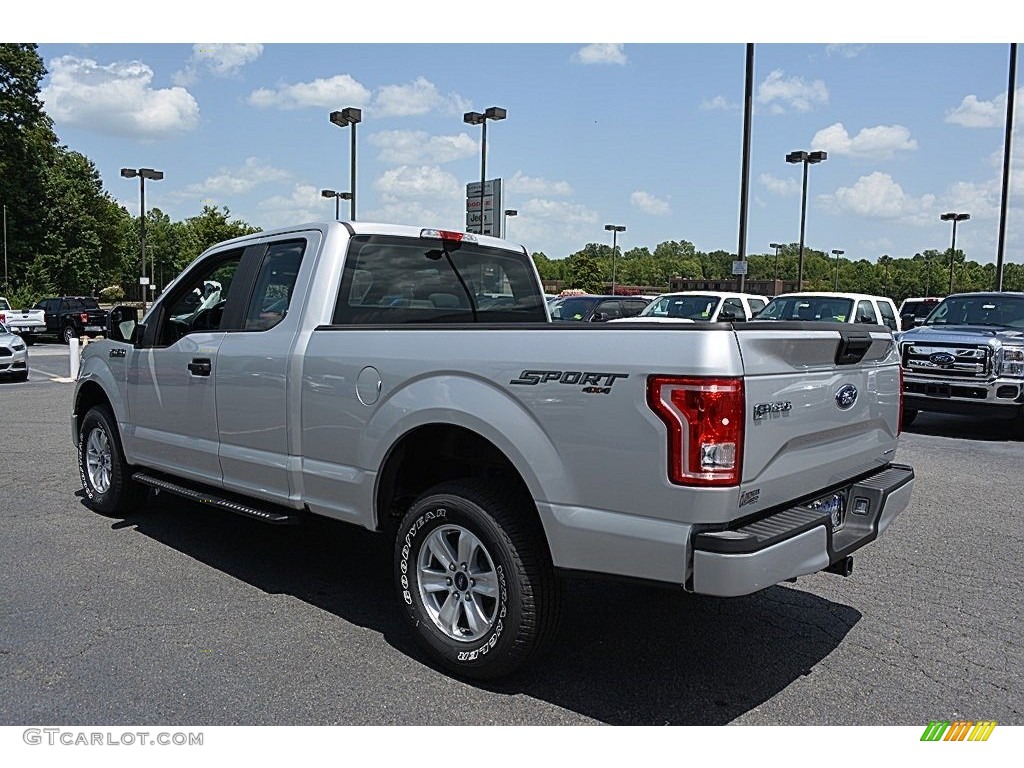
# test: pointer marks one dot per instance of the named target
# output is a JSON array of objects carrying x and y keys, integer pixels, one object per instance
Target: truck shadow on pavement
[
  {"x": 624, "y": 654},
  {"x": 964, "y": 427}
]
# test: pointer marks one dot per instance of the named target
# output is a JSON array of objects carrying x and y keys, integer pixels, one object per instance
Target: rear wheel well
[{"x": 434, "y": 454}]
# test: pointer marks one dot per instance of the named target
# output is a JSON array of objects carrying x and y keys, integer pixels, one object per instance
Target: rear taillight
[
  {"x": 899, "y": 427},
  {"x": 705, "y": 427},
  {"x": 84, "y": 317}
]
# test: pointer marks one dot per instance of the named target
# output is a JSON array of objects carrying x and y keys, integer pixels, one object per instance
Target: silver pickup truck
[
  {"x": 967, "y": 358},
  {"x": 411, "y": 382}
]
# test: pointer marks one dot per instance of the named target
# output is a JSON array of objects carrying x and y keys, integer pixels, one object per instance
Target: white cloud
[
  {"x": 973, "y": 113},
  {"x": 650, "y": 204},
  {"x": 879, "y": 196},
  {"x": 718, "y": 102},
  {"x": 878, "y": 143},
  {"x": 421, "y": 213},
  {"x": 236, "y": 181},
  {"x": 554, "y": 226},
  {"x": 777, "y": 186},
  {"x": 325, "y": 92},
  {"x": 416, "y": 98},
  {"x": 418, "y": 147},
  {"x": 531, "y": 185},
  {"x": 303, "y": 204},
  {"x": 845, "y": 50},
  {"x": 116, "y": 99},
  {"x": 779, "y": 93},
  {"x": 222, "y": 59},
  {"x": 600, "y": 53},
  {"x": 407, "y": 181}
]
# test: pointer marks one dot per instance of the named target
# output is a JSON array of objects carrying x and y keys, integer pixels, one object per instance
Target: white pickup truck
[
  {"x": 27, "y": 323},
  {"x": 365, "y": 372}
]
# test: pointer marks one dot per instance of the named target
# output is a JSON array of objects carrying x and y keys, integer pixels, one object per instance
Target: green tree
[
  {"x": 583, "y": 271},
  {"x": 210, "y": 227},
  {"x": 27, "y": 147}
]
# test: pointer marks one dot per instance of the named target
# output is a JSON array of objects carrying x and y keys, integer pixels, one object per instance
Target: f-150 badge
[{"x": 767, "y": 409}]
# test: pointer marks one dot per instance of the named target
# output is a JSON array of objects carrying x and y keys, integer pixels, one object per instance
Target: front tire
[
  {"x": 106, "y": 477},
  {"x": 474, "y": 576}
]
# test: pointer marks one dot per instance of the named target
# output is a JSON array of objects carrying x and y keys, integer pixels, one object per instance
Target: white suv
[{"x": 834, "y": 308}]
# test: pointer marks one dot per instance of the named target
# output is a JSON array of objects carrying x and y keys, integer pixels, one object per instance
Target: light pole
[
  {"x": 837, "y": 253},
  {"x": 143, "y": 174},
  {"x": 955, "y": 218},
  {"x": 504, "y": 221},
  {"x": 777, "y": 247},
  {"x": 807, "y": 158},
  {"x": 481, "y": 118},
  {"x": 350, "y": 116},
  {"x": 614, "y": 229},
  {"x": 7, "y": 284},
  {"x": 338, "y": 197}
]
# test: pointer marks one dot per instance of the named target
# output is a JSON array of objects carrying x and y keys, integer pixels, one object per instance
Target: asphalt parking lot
[{"x": 178, "y": 615}]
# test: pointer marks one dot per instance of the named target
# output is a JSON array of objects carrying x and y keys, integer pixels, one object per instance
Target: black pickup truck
[{"x": 69, "y": 317}]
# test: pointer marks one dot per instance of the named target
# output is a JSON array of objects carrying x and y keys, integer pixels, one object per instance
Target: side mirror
[
  {"x": 907, "y": 321},
  {"x": 122, "y": 323},
  {"x": 597, "y": 317},
  {"x": 727, "y": 315}
]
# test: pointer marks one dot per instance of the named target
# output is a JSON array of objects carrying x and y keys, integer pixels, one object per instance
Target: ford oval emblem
[
  {"x": 941, "y": 358},
  {"x": 846, "y": 397}
]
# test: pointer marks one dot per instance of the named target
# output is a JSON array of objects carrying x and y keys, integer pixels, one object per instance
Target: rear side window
[
  {"x": 888, "y": 316},
  {"x": 735, "y": 307},
  {"x": 398, "y": 280},
  {"x": 866, "y": 313},
  {"x": 756, "y": 305},
  {"x": 275, "y": 282}
]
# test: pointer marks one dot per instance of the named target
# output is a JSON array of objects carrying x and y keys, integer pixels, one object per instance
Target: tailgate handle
[{"x": 852, "y": 348}]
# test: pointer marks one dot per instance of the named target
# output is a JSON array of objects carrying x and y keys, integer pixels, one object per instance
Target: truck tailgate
[{"x": 822, "y": 408}]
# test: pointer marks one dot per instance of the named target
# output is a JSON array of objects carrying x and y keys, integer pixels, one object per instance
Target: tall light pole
[
  {"x": 1011, "y": 90},
  {"x": 777, "y": 247},
  {"x": 614, "y": 229},
  {"x": 837, "y": 253},
  {"x": 955, "y": 218},
  {"x": 343, "y": 118},
  {"x": 143, "y": 174},
  {"x": 807, "y": 158},
  {"x": 504, "y": 221},
  {"x": 481, "y": 118},
  {"x": 7, "y": 284},
  {"x": 338, "y": 197}
]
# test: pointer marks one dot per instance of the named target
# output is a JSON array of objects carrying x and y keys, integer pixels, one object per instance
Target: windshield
[
  {"x": 4, "y": 304},
  {"x": 573, "y": 308},
  {"x": 687, "y": 307},
  {"x": 990, "y": 309},
  {"x": 830, "y": 309},
  {"x": 3, "y": 329}
]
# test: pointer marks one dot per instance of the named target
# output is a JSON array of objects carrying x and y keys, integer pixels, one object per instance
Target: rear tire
[
  {"x": 908, "y": 417},
  {"x": 106, "y": 476},
  {"x": 474, "y": 576},
  {"x": 69, "y": 334}
]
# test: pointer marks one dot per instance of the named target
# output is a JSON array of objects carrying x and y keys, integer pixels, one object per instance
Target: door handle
[{"x": 200, "y": 366}]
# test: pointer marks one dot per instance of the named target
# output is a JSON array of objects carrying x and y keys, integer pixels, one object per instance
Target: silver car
[{"x": 13, "y": 355}]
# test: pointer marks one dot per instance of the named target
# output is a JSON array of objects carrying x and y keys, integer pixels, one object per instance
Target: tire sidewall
[
  {"x": 68, "y": 334},
  {"x": 106, "y": 501},
  {"x": 425, "y": 517}
]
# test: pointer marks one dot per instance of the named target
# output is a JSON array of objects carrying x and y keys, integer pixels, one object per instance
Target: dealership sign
[{"x": 492, "y": 203}]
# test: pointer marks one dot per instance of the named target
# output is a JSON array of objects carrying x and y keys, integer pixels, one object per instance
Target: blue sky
[{"x": 642, "y": 134}]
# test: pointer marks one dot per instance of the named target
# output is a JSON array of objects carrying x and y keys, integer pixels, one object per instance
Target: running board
[{"x": 206, "y": 497}]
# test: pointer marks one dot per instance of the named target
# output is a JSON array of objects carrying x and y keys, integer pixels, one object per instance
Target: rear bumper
[{"x": 799, "y": 540}]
